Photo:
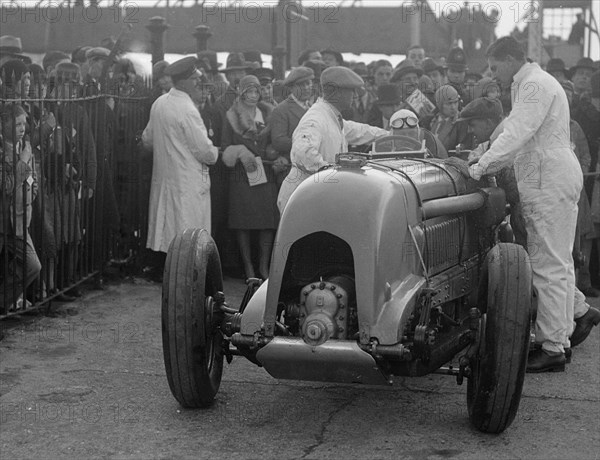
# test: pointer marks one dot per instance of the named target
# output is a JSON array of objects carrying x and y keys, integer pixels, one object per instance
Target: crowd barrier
[{"x": 84, "y": 197}]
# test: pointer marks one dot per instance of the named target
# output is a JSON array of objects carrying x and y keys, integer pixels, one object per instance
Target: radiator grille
[{"x": 443, "y": 245}]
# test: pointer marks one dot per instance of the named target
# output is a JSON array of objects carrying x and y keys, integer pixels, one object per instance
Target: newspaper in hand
[
  {"x": 258, "y": 176},
  {"x": 420, "y": 104}
]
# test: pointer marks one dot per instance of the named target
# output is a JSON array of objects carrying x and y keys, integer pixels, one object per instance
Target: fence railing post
[
  {"x": 202, "y": 34},
  {"x": 157, "y": 27}
]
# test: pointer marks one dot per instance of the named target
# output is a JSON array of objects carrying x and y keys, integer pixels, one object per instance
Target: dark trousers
[{"x": 23, "y": 268}]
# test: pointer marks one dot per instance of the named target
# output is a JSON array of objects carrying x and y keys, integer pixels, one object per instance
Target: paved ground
[{"x": 89, "y": 382}]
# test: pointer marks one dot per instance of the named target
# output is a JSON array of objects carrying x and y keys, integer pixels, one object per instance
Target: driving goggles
[{"x": 402, "y": 122}]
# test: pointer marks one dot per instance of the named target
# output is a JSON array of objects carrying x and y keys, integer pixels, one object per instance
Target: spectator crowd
[{"x": 222, "y": 139}]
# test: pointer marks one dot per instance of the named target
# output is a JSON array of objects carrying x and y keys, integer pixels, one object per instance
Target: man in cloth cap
[
  {"x": 287, "y": 115},
  {"x": 182, "y": 151},
  {"x": 322, "y": 132},
  {"x": 536, "y": 141}
]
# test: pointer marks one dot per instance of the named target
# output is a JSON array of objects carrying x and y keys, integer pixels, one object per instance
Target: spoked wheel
[
  {"x": 498, "y": 369},
  {"x": 192, "y": 343}
]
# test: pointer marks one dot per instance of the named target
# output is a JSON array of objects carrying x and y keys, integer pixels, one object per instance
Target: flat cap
[
  {"x": 482, "y": 108},
  {"x": 97, "y": 52},
  {"x": 182, "y": 69},
  {"x": 342, "y": 77},
  {"x": 299, "y": 75}
]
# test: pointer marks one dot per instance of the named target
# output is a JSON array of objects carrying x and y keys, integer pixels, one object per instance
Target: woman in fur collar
[{"x": 252, "y": 188}]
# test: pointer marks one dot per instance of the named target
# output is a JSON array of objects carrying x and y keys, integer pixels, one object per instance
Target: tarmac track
[{"x": 89, "y": 382}]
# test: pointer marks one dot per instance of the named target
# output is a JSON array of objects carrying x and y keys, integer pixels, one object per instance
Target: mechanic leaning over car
[
  {"x": 484, "y": 117},
  {"x": 549, "y": 180},
  {"x": 322, "y": 132}
]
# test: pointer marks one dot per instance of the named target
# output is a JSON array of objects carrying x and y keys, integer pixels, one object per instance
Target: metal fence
[{"x": 74, "y": 190}]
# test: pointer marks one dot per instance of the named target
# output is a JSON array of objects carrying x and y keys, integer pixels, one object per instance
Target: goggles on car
[{"x": 405, "y": 122}]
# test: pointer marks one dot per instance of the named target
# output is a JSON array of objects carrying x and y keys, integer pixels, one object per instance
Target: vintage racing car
[{"x": 383, "y": 265}]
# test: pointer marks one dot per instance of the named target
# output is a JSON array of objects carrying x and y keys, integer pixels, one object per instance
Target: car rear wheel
[
  {"x": 192, "y": 343},
  {"x": 498, "y": 369}
]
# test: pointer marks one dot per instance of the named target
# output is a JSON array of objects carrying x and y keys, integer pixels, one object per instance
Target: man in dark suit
[
  {"x": 287, "y": 115},
  {"x": 388, "y": 102}
]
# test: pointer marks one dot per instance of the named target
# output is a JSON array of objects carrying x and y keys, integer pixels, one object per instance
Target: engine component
[{"x": 325, "y": 309}]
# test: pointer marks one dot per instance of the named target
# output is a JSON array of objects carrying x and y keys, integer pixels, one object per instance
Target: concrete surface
[{"x": 89, "y": 382}]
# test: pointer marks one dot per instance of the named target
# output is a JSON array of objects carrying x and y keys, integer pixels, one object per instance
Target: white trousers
[{"x": 549, "y": 188}]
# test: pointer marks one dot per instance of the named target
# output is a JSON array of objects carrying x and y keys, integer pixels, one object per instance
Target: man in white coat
[
  {"x": 322, "y": 132},
  {"x": 182, "y": 151},
  {"x": 549, "y": 180}
]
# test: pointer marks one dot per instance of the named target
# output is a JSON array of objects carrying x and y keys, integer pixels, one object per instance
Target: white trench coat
[{"x": 182, "y": 151}]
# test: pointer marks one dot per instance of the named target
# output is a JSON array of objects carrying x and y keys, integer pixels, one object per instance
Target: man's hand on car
[{"x": 459, "y": 164}]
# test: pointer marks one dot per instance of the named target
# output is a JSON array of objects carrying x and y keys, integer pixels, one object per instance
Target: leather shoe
[
  {"x": 541, "y": 360},
  {"x": 584, "y": 325}
]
